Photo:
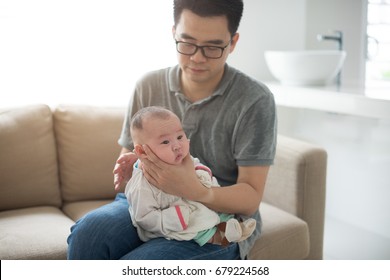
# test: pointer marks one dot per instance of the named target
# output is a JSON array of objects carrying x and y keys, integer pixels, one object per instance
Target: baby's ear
[{"x": 138, "y": 150}]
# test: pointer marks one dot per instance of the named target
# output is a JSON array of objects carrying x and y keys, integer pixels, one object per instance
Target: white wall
[
  {"x": 268, "y": 25},
  {"x": 294, "y": 25},
  {"x": 80, "y": 51}
]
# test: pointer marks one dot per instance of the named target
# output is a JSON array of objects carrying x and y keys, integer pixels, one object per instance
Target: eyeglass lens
[{"x": 207, "y": 51}]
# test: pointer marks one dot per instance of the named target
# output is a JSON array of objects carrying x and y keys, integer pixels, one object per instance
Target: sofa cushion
[
  {"x": 87, "y": 150},
  {"x": 28, "y": 158},
  {"x": 34, "y": 233},
  {"x": 284, "y": 236}
]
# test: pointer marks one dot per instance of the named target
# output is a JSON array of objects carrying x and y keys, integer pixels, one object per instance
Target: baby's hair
[{"x": 152, "y": 111}]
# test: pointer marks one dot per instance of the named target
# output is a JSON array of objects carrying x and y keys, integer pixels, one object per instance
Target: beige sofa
[{"x": 56, "y": 165}]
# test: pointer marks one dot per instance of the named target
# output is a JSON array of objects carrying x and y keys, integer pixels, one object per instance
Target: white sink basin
[{"x": 305, "y": 68}]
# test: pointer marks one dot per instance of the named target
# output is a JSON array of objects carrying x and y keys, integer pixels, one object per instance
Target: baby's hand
[
  {"x": 204, "y": 178},
  {"x": 123, "y": 169}
]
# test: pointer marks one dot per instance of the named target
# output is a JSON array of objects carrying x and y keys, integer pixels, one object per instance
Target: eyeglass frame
[{"x": 197, "y": 47}]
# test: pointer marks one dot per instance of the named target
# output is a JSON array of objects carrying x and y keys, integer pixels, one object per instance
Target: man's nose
[{"x": 198, "y": 56}]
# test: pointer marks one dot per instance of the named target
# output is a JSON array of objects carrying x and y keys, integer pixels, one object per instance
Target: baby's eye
[
  {"x": 180, "y": 137},
  {"x": 165, "y": 142}
]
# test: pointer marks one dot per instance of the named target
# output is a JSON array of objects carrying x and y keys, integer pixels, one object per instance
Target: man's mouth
[{"x": 196, "y": 70}]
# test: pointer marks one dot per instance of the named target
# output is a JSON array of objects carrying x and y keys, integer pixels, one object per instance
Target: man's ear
[
  {"x": 234, "y": 42},
  {"x": 138, "y": 150},
  {"x": 173, "y": 32}
]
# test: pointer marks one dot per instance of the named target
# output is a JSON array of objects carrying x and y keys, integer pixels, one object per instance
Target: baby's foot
[
  {"x": 233, "y": 230},
  {"x": 248, "y": 227}
]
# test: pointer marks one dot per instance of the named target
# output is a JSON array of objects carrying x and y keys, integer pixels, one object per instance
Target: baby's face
[{"x": 166, "y": 139}]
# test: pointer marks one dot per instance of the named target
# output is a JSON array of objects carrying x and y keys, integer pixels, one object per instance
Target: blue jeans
[{"x": 108, "y": 233}]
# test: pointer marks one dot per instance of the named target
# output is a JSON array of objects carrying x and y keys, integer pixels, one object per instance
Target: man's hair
[
  {"x": 232, "y": 9},
  {"x": 152, "y": 111}
]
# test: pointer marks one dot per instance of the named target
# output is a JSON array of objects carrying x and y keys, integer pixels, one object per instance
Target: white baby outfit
[{"x": 158, "y": 214}]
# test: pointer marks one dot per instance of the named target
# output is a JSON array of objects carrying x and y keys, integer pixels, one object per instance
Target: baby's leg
[{"x": 219, "y": 236}]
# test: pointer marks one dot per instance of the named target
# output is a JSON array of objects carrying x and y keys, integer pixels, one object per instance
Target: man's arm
[{"x": 244, "y": 197}]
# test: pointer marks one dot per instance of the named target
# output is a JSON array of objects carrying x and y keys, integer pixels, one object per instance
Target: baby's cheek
[
  {"x": 169, "y": 157},
  {"x": 186, "y": 148}
]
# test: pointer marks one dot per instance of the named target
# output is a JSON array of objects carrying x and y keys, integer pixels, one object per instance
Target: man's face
[{"x": 203, "y": 31}]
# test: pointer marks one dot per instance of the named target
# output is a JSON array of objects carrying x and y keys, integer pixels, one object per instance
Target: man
[{"x": 230, "y": 120}]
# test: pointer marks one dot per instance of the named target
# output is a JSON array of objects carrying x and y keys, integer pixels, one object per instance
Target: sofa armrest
[{"x": 296, "y": 184}]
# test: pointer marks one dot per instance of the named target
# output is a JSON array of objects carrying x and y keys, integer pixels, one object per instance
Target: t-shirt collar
[{"x": 174, "y": 80}]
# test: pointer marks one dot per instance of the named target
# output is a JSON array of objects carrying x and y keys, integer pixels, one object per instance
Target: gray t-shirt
[{"x": 235, "y": 126}]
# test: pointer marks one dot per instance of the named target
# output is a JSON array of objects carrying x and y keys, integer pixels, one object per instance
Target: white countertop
[{"x": 365, "y": 102}]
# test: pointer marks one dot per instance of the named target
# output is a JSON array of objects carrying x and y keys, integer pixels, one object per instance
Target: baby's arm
[{"x": 149, "y": 215}]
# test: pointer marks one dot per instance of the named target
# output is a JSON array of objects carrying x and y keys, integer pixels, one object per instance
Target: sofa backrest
[
  {"x": 28, "y": 158},
  {"x": 87, "y": 150}
]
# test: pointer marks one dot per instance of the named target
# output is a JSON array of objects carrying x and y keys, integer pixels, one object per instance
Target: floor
[{"x": 344, "y": 241}]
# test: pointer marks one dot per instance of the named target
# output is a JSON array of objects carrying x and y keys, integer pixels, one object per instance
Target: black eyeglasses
[{"x": 213, "y": 52}]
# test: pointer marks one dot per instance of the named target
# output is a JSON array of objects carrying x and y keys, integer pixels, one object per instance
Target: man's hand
[
  {"x": 123, "y": 169},
  {"x": 179, "y": 180}
]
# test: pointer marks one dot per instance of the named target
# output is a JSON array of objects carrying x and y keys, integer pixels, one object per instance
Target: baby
[{"x": 158, "y": 214}]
